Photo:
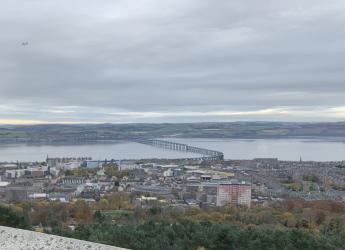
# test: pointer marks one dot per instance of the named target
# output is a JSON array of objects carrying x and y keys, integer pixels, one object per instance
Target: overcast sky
[{"x": 171, "y": 60}]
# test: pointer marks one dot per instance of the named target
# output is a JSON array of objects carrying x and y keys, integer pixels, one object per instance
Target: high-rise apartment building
[{"x": 234, "y": 192}]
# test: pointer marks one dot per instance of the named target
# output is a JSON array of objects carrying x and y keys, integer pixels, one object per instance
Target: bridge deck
[{"x": 208, "y": 155}]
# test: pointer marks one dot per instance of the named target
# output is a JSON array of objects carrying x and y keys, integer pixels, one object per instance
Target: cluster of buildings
[
  {"x": 64, "y": 179},
  {"x": 32, "y": 181},
  {"x": 175, "y": 183},
  {"x": 193, "y": 185}
]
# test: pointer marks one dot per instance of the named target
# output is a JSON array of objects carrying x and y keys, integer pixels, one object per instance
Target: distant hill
[{"x": 89, "y": 132}]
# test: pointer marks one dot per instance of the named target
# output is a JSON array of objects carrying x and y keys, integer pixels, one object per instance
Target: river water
[{"x": 284, "y": 149}]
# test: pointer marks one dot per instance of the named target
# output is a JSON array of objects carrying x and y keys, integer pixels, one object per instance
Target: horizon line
[{"x": 37, "y": 123}]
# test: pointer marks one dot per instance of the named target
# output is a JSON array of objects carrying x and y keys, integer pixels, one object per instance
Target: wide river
[{"x": 284, "y": 149}]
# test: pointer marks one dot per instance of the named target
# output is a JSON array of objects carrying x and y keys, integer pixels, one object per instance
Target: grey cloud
[{"x": 171, "y": 56}]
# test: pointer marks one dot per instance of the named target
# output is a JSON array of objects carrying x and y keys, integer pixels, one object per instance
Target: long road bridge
[{"x": 207, "y": 154}]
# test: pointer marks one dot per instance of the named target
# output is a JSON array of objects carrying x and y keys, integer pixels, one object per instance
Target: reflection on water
[
  {"x": 284, "y": 149},
  {"x": 101, "y": 150}
]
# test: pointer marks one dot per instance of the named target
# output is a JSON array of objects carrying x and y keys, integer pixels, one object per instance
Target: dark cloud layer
[{"x": 171, "y": 60}]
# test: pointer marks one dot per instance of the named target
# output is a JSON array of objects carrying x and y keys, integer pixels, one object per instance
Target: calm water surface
[{"x": 284, "y": 149}]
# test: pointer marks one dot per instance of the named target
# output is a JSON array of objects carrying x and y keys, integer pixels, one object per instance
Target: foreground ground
[{"x": 12, "y": 238}]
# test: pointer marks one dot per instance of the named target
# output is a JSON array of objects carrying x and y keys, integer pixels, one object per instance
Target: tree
[
  {"x": 98, "y": 217},
  {"x": 10, "y": 218},
  {"x": 288, "y": 219}
]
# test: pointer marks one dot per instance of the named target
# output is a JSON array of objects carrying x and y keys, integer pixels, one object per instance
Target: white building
[{"x": 168, "y": 173}]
